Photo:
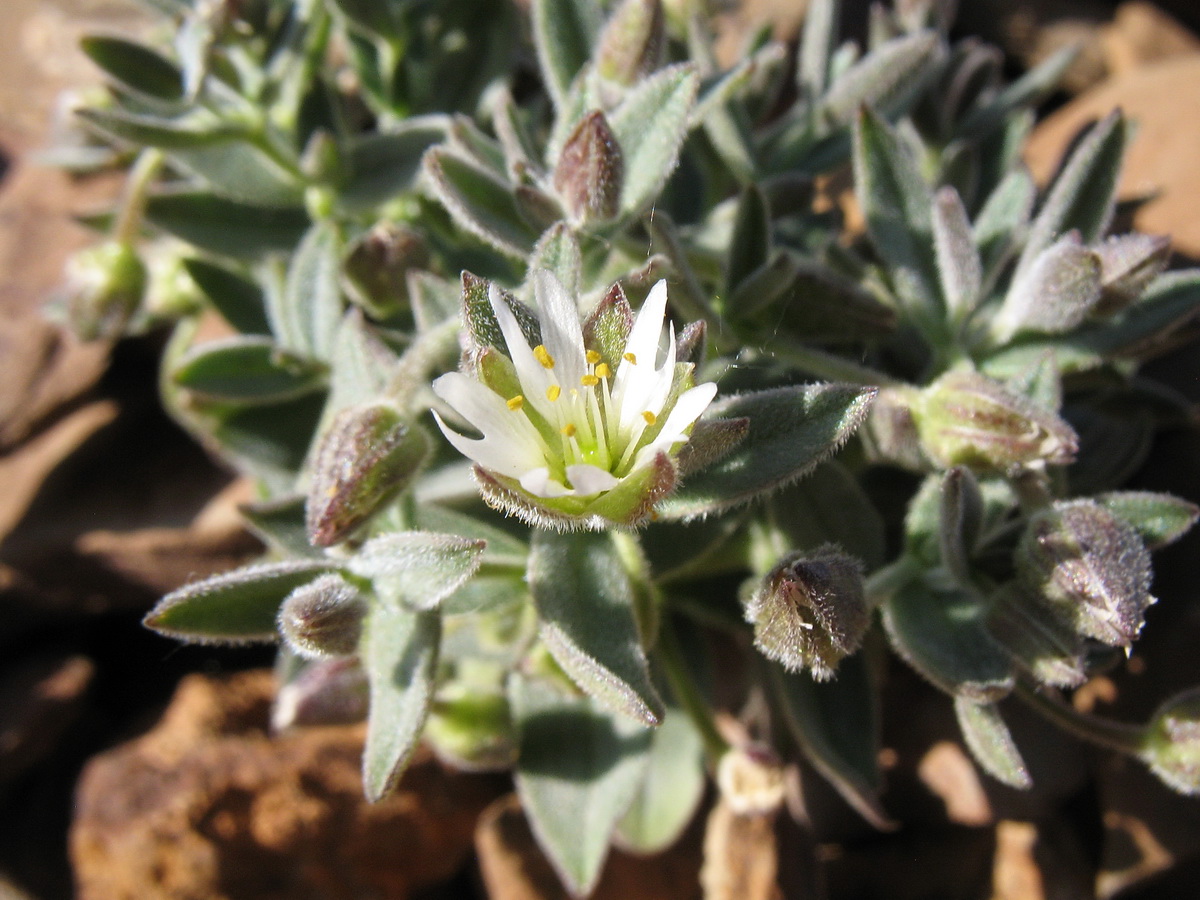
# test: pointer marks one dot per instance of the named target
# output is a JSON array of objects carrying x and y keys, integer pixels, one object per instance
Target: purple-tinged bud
[
  {"x": 1128, "y": 264},
  {"x": 890, "y": 432},
  {"x": 1055, "y": 294},
  {"x": 967, "y": 419},
  {"x": 378, "y": 264},
  {"x": 633, "y": 42},
  {"x": 811, "y": 611},
  {"x": 327, "y": 692},
  {"x": 323, "y": 618},
  {"x": 1171, "y": 745},
  {"x": 1090, "y": 567},
  {"x": 590, "y": 171},
  {"x": 104, "y": 288},
  {"x": 369, "y": 454},
  {"x": 472, "y": 729}
]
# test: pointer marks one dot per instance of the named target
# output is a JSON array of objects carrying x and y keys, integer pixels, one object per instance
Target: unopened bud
[
  {"x": 377, "y": 267},
  {"x": 751, "y": 781},
  {"x": 890, "y": 432},
  {"x": 811, "y": 611},
  {"x": 1090, "y": 567},
  {"x": 967, "y": 419},
  {"x": 368, "y": 455},
  {"x": 323, "y": 618},
  {"x": 104, "y": 289},
  {"x": 1055, "y": 294},
  {"x": 1128, "y": 264},
  {"x": 328, "y": 692},
  {"x": 633, "y": 42},
  {"x": 1171, "y": 746},
  {"x": 590, "y": 171},
  {"x": 472, "y": 729}
]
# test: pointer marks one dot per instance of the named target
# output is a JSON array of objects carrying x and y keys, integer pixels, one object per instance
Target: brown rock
[
  {"x": 949, "y": 773},
  {"x": 39, "y": 699},
  {"x": 1163, "y": 101},
  {"x": 1141, "y": 33},
  {"x": 207, "y": 806},
  {"x": 514, "y": 868}
]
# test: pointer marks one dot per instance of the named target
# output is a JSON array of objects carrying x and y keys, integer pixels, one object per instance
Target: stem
[
  {"x": 1032, "y": 490},
  {"x": 137, "y": 188},
  {"x": 827, "y": 365},
  {"x": 683, "y": 685},
  {"x": 1119, "y": 736}
]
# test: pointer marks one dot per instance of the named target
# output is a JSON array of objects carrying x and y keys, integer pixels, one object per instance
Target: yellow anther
[
  {"x": 603, "y": 371},
  {"x": 552, "y": 392},
  {"x": 650, "y": 417},
  {"x": 568, "y": 430},
  {"x": 542, "y": 355},
  {"x": 593, "y": 357},
  {"x": 630, "y": 358},
  {"x": 589, "y": 381},
  {"x": 515, "y": 403}
]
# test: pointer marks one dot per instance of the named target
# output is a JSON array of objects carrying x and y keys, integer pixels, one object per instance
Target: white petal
[
  {"x": 495, "y": 455},
  {"x": 647, "y": 327},
  {"x": 561, "y": 331},
  {"x": 534, "y": 377},
  {"x": 688, "y": 408},
  {"x": 588, "y": 479},
  {"x": 483, "y": 408},
  {"x": 539, "y": 483}
]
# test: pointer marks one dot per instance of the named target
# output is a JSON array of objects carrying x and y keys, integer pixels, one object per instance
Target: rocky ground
[{"x": 132, "y": 768}]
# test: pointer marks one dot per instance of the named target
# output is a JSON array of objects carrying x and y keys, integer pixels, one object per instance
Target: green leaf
[
  {"x": 942, "y": 634},
  {"x": 155, "y": 131},
  {"x": 270, "y": 442},
  {"x": 557, "y": 251},
  {"x": 671, "y": 787},
  {"x": 792, "y": 429},
  {"x": 830, "y": 506},
  {"x": 237, "y": 607},
  {"x": 960, "y": 521},
  {"x": 306, "y": 315},
  {"x": 135, "y": 67},
  {"x": 237, "y": 169},
  {"x": 1159, "y": 519},
  {"x": 247, "y": 370},
  {"x": 564, "y": 32},
  {"x": 279, "y": 523},
  {"x": 750, "y": 243},
  {"x": 239, "y": 300},
  {"x": 417, "y": 569},
  {"x": 386, "y": 164},
  {"x": 959, "y": 264},
  {"x": 377, "y": 17},
  {"x": 990, "y": 742},
  {"x": 1083, "y": 195},
  {"x": 1003, "y": 217},
  {"x": 650, "y": 125},
  {"x": 362, "y": 365},
  {"x": 897, "y": 202},
  {"x": 399, "y": 651},
  {"x": 887, "y": 79},
  {"x": 836, "y": 725},
  {"x": 227, "y": 227},
  {"x": 817, "y": 42},
  {"x": 501, "y": 550},
  {"x": 1027, "y": 91},
  {"x": 479, "y": 202},
  {"x": 578, "y": 771},
  {"x": 1167, "y": 304},
  {"x": 584, "y": 599}
]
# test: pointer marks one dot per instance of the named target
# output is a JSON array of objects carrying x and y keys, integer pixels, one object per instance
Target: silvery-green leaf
[
  {"x": 717, "y": 90},
  {"x": 279, "y": 523},
  {"x": 750, "y": 242},
  {"x": 135, "y": 67},
  {"x": 886, "y": 79},
  {"x": 399, "y": 651},
  {"x": 385, "y": 164},
  {"x": 959, "y": 265},
  {"x": 156, "y": 131},
  {"x": 434, "y": 299},
  {"x": 836, "y": 724},
  {"x": 362, "y": 365},
  {"x": 1128, "y": 264},
  {"x": 239, "y": 300},
  {"x": 564, "y": 32},
  {"x": 239, "y": 170},
  {"x": 671, "y": 787},
  {"x": 650, "y": 125},
  {"x": 584, "y": 600},
  {"x": 1054, "y": 294},
  {"x": 1002, "y": 220},
  {"x": 792, "y": 429},
  {"x": 246, "y": 369},
  {"x": 817, "y": 43},
  {"x": 479, "y": 202},
  {"x": 1146, "y": 327},
  {"x": 960, "y": 520},
  {"x": 417, "y": 569},
  {"x": 990, "y": 742},
  {"x": 1083, "y": 195},
  {"x": 941, "y": 633},
  {"x": 897, "y": 202},
  {"x": 557, "y": 251},
  {"x": 1027, "y": 91},
  {"x": 578, "y": 770},
  {"x": 227, "y": 227},
  {"x": 830, "y": 506},
  {"x": 824, "y": 305},
  {"x": 1159, "y": 519},
  {"x": 502, "y": 549},
  {"x": 1040, "y": 382},
  {"x": 771, "y": 286},
  {"x": 306, "y": 314},
  {"x": 237, "y": 607},
  {"x": 731, "y": 136}
]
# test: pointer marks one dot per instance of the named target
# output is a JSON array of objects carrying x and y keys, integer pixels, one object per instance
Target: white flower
[{"x": 569, "y": 430}]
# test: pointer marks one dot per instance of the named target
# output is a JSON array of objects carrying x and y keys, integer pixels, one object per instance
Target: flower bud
[
  {"x": 1090, "y": 567},
  {"x": 377, "y": 267},
  {"x": 1171, "y": 746},
  {"x": 590, "y": 171},
  {"x": 1055, "y": 294},
  {"x": 633, "y": 42},
  {"x": 890, "y": 432},
  {"x": 327, "y": 692},
  {"x": 811, "y": 611},
  {"x": 967, "y": 419},
  {"x": 323, "y": 618},
  {"x": 369, "y": 453},
  {"x": 1128, "y": 263},
  {"x": 472, "y": 729},
  {"x": 104, "y": 289}
]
